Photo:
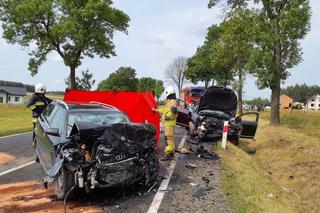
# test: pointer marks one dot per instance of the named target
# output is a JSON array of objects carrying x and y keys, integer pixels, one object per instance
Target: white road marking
[
  {"x": 16, "y": 168},
  {"x": 8, "y": 136},
  {"x": 155, "y": 205}
]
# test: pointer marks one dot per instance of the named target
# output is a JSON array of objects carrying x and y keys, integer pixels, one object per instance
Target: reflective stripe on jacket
[
  {"x": 37, "y": 104},
  {"x": 168, "y": 117}
]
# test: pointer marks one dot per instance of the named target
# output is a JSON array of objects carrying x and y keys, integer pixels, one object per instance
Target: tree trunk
[
  {"x": 275, "y": 85},
  {"x": 275, "y": 102},
  {"x": 73, "y": 77},
  {"x": 240, "y": 87},
  {"x": 206, "y": 84}
]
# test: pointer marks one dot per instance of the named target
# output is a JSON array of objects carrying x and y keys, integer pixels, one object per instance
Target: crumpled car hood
[
  {"x": 133, "y": 132},
  {"x": 218, "y": 98}
]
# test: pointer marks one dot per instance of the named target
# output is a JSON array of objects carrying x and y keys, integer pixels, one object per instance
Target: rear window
[{"x": 103, "y": 117}]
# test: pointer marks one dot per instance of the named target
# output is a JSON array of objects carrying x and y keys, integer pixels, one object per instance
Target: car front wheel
[{"x": 63, "y": 183}]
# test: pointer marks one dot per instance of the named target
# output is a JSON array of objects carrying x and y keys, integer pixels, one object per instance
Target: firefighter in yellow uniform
[
  {"x": 38, "y": 103},
  {"x": 168, "y": 114}
]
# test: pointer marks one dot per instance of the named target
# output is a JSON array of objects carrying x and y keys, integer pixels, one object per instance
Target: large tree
[
  {"x": 124, "y": 79},
  {"x": 150, "y": 84},
  {"x": 175, "y": 72},
  {"x": 72, "y": 28},
  {"x": 236, "y": 46},
  {"x": 280, "y": 26}
]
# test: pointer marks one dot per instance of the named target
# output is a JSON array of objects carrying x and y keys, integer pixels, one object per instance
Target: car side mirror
[{"x": 53, "y": 132}]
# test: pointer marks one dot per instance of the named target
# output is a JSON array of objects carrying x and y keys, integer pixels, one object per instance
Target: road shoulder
[{"x": 187, "y": 181}]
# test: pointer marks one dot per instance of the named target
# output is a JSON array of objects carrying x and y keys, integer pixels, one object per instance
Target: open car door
[
  {"x": 183, "y": 117},
  {"x": 249, "y": 127}
]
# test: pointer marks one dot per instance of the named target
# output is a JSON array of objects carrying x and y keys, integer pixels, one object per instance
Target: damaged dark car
[
  {"x": 90, "y": 146},
  {"x": 205, "y": 119}
]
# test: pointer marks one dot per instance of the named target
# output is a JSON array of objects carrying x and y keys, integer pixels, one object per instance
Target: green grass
[
  {"x": 307, "y": 122},
  {"x": 286, "y": 164},
  {"x": 17, "y": 118},
  {"x": 14, "y": 119}
]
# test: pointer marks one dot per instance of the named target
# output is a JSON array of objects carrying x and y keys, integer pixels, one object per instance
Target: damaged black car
[
  {"x": 90, "y": 146},
  {"x": 205, "y": 119}
]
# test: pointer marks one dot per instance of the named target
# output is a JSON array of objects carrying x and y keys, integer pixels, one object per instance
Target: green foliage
[
  {"x": 279, "y": 27},
  {"x": 150, "y": 84},
  {"x": 207, "y": 66},
  {"x": 280, "y": 30},
  {"x": 301, "y": 92},
  {"x": 84, "y": 83},
  {"x": 72, "y": 28},
  {"x": 124, "y": 79},
  {"x": 237, "y": 39},
  {"x": 29, "y": 88}
]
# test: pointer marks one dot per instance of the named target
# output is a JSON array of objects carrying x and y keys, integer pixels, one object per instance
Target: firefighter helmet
[
  {"x": 40, "y": 88},
  {"x": 169, "y": 91}
]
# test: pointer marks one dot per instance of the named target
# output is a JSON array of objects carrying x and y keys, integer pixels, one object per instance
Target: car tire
[
  {"x": 35, "y": 156},
  {"x": 63, "y": 183}
]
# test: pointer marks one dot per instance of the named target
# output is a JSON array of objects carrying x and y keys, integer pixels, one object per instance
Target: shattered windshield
[{"x": 103, "y": 117}]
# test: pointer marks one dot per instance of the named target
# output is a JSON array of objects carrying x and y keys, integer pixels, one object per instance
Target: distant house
[
  {"x": 286, "y": 102},
  {"x": 313, "y": 103},
  {"x": 12, "y": 95}
]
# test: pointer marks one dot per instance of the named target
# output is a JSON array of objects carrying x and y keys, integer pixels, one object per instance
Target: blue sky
[{"x": 159, "y": 31}]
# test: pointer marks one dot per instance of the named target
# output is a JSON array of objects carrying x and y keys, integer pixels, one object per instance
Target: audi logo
[{"x": 120, "y": 157}]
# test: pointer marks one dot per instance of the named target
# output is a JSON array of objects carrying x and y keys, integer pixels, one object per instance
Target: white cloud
[{"x": 59, "y": 82}]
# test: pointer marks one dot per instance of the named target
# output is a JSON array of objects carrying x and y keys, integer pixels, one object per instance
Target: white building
[
  {"x": 12, "y": 95},
  {"x": 313, "y": 103}
]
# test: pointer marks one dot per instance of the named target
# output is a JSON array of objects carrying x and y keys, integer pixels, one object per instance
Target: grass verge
[
  {"x": 282, "y": 175},
  {"x": 17, "y": 118},
  {"x": 14, "y": 119},
  {"x": 307, "y": 122}
]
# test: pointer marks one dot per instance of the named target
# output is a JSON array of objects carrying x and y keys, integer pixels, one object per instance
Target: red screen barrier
[{"x": 137, "y": 105}]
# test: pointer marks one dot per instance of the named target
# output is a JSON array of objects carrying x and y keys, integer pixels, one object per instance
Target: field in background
[
  {"x": 279, "y": 172},
  {"x": 17, "y": 118},
  {"x": 307, "y": 122},
  {"x": 14, "y": 119}
]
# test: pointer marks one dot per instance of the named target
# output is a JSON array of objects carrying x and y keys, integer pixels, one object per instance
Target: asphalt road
[{"x": 22, "y": 191}]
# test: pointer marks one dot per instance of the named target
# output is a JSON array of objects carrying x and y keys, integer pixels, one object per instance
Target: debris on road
[
  {"x": 191, "y": 166},
  {"x": 206, "y": 180},
  {"x": 193, "y": 184},
  {"x": 202, "y": 191},
  {"x": 183, "y": 150}
]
